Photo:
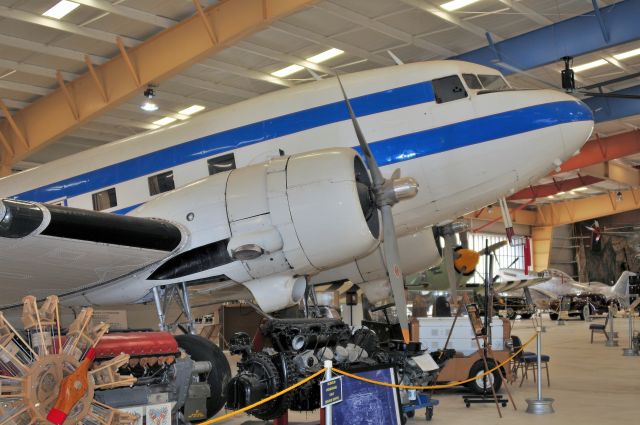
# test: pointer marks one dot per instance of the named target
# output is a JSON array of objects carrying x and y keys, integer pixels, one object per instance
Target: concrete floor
[{"x": 591, "y": 384}]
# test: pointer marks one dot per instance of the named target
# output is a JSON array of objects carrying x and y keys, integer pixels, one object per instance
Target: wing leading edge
[{"x": 47, "y": 249}]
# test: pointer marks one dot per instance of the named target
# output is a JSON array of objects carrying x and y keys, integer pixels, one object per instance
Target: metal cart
[{"x": 422, "y": 401}]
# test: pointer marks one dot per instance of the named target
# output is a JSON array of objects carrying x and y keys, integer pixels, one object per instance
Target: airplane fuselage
[{"x": 465, "y": 146}]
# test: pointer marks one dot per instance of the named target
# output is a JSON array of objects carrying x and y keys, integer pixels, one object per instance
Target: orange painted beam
[
  {"x": 161, "y": 56},
  {"x": 604, "y": 149},
  {"x": 547, "y": 189}
]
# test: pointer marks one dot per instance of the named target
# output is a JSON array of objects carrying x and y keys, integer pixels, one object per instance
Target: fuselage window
[
  {"x": 160, "y": 183},
  {"x": 448, "y": 89},
  {"x": 221, "y": 164},
  {"x": 472, "y": 81},
  {"x": 105, "y": 199},
  {"x": 493, "y": 82}
]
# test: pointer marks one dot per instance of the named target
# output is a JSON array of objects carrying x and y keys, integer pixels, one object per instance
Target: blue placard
[
  {"x": 368, "y": 404},
  {"x": 331, "y": 391}
]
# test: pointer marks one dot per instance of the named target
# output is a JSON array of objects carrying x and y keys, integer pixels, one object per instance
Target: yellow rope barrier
[
  {"x": 435, "y": 387},
  {"x": 371, "y": 381},
  {"x": 266, "y": 400}
]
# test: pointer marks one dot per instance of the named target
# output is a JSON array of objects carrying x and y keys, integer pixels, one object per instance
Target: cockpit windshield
[{"x": 493, "y": 82}]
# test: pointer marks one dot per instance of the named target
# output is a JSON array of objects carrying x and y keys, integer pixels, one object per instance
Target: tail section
[{"x": 621, "y": 288}]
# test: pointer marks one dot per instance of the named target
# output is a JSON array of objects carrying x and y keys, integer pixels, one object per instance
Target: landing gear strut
[{"x": 163, "y": 296}]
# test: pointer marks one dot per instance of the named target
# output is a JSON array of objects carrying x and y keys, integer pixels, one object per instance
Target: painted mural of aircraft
[{"x": 260, "y": 196}]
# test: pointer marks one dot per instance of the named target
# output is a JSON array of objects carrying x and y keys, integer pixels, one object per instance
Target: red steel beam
[
  {"x": 604, "y": 149},
  {"x": 548, "y": 189}
]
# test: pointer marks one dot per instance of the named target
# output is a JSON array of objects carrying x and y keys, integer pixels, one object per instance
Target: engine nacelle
[
  {"x": 290, "y": 216},
  {"x": 418, "y": 251}
]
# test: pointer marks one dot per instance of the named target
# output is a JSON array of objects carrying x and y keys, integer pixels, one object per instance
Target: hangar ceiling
[{"x": 33, "y": 48}]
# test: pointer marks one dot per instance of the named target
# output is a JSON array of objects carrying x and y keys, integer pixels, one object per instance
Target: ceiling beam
[
  {"x": 569, "y": 211},
  {"x": 156, "y": 59},
  {"x": 243, "y": 72},
  {"x": 619, "y": 173},
  {"x": 549, "y": 189},
  {"x": 330, "y": 42},
  {"x": 67, "y": 27},
  {"x": 284, "y": 57},
  {"x": 129, "y": 12},
  {"x": 364, "y": 21},
  {"x": 572, "y": 37},
  {"x": 604, "y": 149},
  {"x": 608, "y": 108},
  {"x": 434, "y": 10},
  {"x": 36, "y": 70},
  {"x": 527, "y": 12},
  {"x": 61, "y": 52}
]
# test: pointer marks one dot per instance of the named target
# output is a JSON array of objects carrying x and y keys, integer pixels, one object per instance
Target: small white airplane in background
[
  {"x": 259, "y": 196},
  {"x": 553, "y": 284}
]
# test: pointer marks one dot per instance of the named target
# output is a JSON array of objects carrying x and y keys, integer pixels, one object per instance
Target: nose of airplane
[{"x": 575, "y": 120}]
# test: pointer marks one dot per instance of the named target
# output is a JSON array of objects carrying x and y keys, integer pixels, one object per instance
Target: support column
[{"x": 541, "y": 239}]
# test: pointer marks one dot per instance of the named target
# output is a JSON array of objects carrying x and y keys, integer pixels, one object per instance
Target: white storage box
[{"x": 433, "y": 332}]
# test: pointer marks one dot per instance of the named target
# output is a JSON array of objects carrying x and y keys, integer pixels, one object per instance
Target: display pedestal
[{"x": 540, "y": 406}]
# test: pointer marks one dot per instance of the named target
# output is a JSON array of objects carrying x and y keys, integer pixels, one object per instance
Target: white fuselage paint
[{"x": 452, "y": 180}]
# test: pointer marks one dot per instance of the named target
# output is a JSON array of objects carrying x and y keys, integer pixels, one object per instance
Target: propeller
[{"x": 387, "y": 192}]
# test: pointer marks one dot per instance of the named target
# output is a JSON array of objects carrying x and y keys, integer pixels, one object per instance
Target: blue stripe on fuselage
[
  {"x": 389, "y": 151},
  {"x": 478, "y": 130},
  {"x": 228, "y": 140}
]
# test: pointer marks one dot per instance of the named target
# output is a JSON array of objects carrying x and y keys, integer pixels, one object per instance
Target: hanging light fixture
[
  {"x": 148, "y": 105},
  {"x": 619, "y": 196}
]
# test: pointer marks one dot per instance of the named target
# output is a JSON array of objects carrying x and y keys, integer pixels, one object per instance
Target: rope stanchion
[
  {"x": 371, "y": 381},
  {"x": 436, "y": 387},
  {"x": 261, "y": 402}
]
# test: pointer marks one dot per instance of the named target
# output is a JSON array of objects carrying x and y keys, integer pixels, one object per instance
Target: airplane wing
[
  {"x": 47, "y": 249},
  {"x": 513, "y": 285}
]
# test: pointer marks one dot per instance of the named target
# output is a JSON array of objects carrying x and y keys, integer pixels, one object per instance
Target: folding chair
[{"x": 600, "y": 328}]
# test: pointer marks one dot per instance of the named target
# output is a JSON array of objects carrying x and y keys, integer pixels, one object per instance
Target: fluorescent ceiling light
[
  {"x": 629, "y": 54},
  {"x": 61, "y": 9},
  {"x": 193, "y": 109},
  {"x": 285, "y": 72},
  {"x": 456, "y": 4},
  {"x": 149, "y": 106},
  {"x": 165, "y": 121},
  {"x": 325, "y": 56},
  {"x": 590, "y": 65}
]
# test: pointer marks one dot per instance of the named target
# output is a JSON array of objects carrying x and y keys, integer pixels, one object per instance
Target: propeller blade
[
  {"x": 392, "y": 258},
  {"x": 385, "y": 198},
  {"x": 376, "y": 174},
  {"x": 493, "y": 248},
  {"x": 449, "y": 243},
  {"x": 612, "y": 95}
]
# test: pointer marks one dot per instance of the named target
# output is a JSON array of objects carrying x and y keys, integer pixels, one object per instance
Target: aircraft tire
[{"x": 201, "y": 349}]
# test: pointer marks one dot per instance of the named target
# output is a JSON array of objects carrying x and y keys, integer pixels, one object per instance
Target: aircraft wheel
[
  {"x": 201, "y": 349},
  {"x": 494, "y": 378}
]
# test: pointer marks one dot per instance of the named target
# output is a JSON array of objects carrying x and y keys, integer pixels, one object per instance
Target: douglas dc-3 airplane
[{"x": 263, "y": 194}]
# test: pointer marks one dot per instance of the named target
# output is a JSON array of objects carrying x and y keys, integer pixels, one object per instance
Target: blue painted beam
[
  {"x": 573, "y": 37},
  {"x": 607, "y": 109}
]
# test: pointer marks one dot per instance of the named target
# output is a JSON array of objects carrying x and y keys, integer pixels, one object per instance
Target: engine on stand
[
  {"x": 292, "y": 349},
  {"x": 167, "y": 370},
  {"x": 81, "y": 375}
]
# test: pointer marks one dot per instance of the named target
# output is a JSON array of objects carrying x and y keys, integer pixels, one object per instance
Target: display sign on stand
[
  {"x": 331, "y": 391},
  {"x": 365, "y": 403}
]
